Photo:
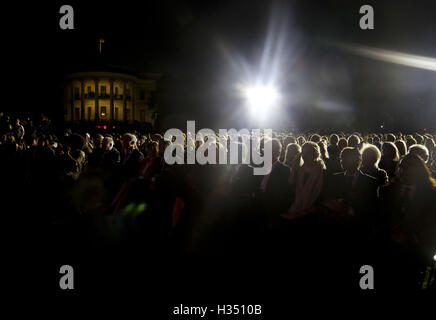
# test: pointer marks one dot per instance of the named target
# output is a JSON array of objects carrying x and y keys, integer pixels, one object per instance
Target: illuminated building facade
[{"x": 110, "y": 96}]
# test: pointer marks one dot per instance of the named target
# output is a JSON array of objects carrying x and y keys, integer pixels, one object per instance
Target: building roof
[{"x": 108, "y": 68}]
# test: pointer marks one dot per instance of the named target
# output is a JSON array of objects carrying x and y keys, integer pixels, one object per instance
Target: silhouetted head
[
  {"x": 108, "y": 143},
  {"x": 310, "y": 152},
  {"x": 97, "y": 140},
  {"x": 351, "y": 159},
  {"x": 276, "y": 148},
  {"x": 420, "y": 150},
  {"x": 401, "y": 146},
  {"x": 315, "y": 138},
  {"x": 292, "y": 150},
  {"x": 153, "y": 149},
  {"x": 370, "y": 156},
  {"x": 390, "y": 152},
  {"x": 334, "y": 138},
  {"x": 390, "y": 137},
  {"x": 129, "y": 141},
  {"x": 342, "y": 143},
  {"x": 353, "y": 141}
]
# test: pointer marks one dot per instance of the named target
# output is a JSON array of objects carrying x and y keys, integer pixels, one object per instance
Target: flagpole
[{"x": 100, "y": 41}]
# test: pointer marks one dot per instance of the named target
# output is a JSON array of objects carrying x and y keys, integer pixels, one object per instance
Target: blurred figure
[
  {"x": 334, "y": 151},
  {"x": 315, "y": 138},
  {"x": 131, "y": 157},
  {"x": 294, "y": 161},
  {"x": 354, "y": 190},
  {"x": 324, "y": 153},
  {"x": 370, "y": 159},
  {"x": 342, "y": 143},
  {"x": 291, "y": 160},
  {"x": 429, "y": 143},
  {"x": 353, "y": 141},
  {"x": 410, "y": 212},
  {"x": 19, "y": 132},
  {"x": 88, "y": 145},
  {"x": 150, "y": 163},
  {"x": 77, "y": 165},
  {"x": 274, "y": 187},
  {"x": 301, "y": 140},
  {"x": 402, "y": 148},
  {"x": 377, "y": 142},
  {"x": 419, "y": 139},
  {"x": 96, "y": 154},
  {"x": 390, "y": 137},
  {"x": 309, "y": 182},
  {"x": 111, "y": 156},
  {"x": 432, "y": 165},
  {"x": 333, "y": 148},
  {"x": 420, "y": 150},
  {"x": 410, "y": 141},
  {"x": 288, "y": 140},
  {"x": 389, "y": 159},
  {"x": 97, "y": 142}
]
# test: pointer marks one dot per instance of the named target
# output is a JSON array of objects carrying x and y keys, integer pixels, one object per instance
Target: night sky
[{"x": 204, "y": 48}]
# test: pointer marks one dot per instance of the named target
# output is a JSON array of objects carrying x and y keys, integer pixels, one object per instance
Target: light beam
[{"x": 404, "y": 59}]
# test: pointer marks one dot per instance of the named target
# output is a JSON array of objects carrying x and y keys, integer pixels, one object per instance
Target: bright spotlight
[
  {"x": 434, "y": 257},
  {"x": 260, "y": 98}
]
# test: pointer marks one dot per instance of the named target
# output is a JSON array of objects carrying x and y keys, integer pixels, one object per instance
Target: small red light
[
  {"x": 104, "y": 127},
  {"x": 98, "y": 127},
  {"x": 113, "y": 127}
]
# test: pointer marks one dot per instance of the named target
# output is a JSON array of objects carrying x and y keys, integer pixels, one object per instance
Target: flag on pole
[{"x": 100, "y": 41}]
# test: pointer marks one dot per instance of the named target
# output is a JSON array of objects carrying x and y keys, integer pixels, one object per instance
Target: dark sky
[{"x": 204, "y": 48}]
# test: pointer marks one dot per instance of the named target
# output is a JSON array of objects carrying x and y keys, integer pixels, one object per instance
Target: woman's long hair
[
  {"x": 317, "y": 153},
  {"x": 423, "y": 176}
]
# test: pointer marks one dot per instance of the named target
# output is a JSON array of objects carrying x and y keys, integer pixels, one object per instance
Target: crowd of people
[{"x": 356, "y": 194}]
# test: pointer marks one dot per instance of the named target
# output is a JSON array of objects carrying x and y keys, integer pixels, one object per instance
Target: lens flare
[
  {"x": 260, "y": 98},
  {"x": 404, "y": 59}
]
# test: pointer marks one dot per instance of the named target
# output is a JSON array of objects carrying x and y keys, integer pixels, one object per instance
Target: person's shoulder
[
  {"x": 336, "y": 177},
  {"x": 139, "y": 153},
  {"x": 319, "y": 166},
  {"x": 390, "y": 188},
  {"x": 382, "y": 171},
  {"x": 282, "y": 166},
  {"x": 338, "y": 174},
  {"x": 368, "y": 177}
]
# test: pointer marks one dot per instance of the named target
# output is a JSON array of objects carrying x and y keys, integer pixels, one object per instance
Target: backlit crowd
[{"x": 338, "y": 191}]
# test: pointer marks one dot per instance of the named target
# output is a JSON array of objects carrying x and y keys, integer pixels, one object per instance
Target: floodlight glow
[
  {"x": 260, "y": 98},
  {"x": 409, "y": 60},
  {"x": 434, "y": 257}
]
